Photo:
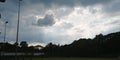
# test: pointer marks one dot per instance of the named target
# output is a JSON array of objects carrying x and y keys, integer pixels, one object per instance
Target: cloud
[
  {"x": 59, "y": 21},
  {"x": 112, "y": 7},
  {"x": 67, "y": 25},
  {"x": 64, "y": 26},
  {"x": 48, "y": 20},
  {"x": 69, "y": 3}
]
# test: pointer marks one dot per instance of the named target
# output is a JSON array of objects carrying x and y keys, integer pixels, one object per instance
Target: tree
[
  {"x": 101, "y": 45},
  {"x": 23, "y": 44}
]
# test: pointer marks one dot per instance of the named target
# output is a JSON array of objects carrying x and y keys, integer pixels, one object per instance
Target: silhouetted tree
[
  {"x": 101, "y": 45},
  {"x": 23, "y": 44}
]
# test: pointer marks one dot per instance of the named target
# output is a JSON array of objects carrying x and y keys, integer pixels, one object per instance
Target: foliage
[
  {"x": 23, "y": 47},
  {"x": 100, "y": 46}
]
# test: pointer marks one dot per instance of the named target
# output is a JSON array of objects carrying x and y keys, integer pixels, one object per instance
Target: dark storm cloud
[
  {"x": 48, "y": 20},
  {"x": 8, "y": 10},
  {"x": 92, "y": 2},
  {"x": 68, "y": 2},
  {"x": 113, "y": 7}
]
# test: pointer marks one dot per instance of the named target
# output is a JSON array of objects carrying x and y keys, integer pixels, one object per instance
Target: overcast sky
[{"x": 59, "y": 21}]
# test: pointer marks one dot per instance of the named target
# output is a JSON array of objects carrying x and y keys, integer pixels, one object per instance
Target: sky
[{"x": 58, "y": 21}]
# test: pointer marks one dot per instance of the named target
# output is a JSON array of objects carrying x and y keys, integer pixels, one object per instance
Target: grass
[{"x": 63, "y": 58}]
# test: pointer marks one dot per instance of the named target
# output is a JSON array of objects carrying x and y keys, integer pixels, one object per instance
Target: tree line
[
  {"x": 22, "y": 47},
  {"x": 100, "y": 46}
]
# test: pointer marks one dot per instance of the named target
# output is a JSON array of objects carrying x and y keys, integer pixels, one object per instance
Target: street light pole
[
  {"x": 4, "y": 44},
  {"x": 18, "y": 22},
  {"x": 16, "y": 43},
  {"x": 0, "y": 50},
  {"x": 5, "y": 31}
]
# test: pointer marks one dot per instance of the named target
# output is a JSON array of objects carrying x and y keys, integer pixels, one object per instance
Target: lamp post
[
  {"x": 16, "y": 43},
  {"x": 0, "y": 49},
  {"x": 4, "y": 44},
  {"x": 5, "y": 31},
  {"x": 18, "y": 21}
]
